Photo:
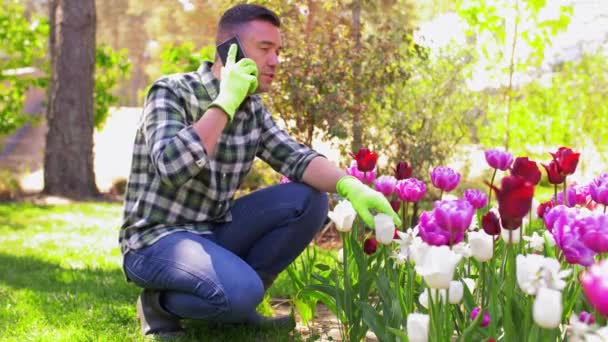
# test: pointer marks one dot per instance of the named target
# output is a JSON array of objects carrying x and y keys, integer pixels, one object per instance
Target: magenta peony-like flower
[
  {"x": 598, "y": 189},
  {"x": 365, "y": 177},
  {"x": 430, "y": 232},
  {"x": 385, "y": 184},
  {"x": 567, "y": 225},
  {"x": 410, "y": 189},
  {"x": 594, "y": 232},
  {"x": 454, "y": 216},
  {"x": 594, "y": 286},
  {"x": 477, "y": 198},
  {"x": 498, "y": 159},
  {"x": 444, "y": 178}
]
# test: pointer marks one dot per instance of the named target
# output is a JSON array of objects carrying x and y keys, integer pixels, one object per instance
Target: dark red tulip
[
  {"x": 526, "y": 168},
  {"x": 403, "y": 171},
  {"x": 553, "y": 173},
  {"x": 566, "y": 159},
  {"x": 396, "y": 204},
  {"x": 366, "y": 159},
  {"x": 395, "y": 235},
  {"x": 490, "y": 223},
  {"x": 543, "y": 208},
  {"x": 370, "y": 245},
  {"x": 514, "y": 200}
]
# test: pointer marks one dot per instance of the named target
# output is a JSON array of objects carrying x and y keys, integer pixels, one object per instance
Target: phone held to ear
[{"x": 222, "y": 49}]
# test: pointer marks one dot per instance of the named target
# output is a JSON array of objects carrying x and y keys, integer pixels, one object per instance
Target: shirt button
[{"x": 200, "y": 162}]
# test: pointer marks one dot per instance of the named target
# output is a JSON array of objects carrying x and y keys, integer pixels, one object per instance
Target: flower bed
[{"x": 476, "y": 268}]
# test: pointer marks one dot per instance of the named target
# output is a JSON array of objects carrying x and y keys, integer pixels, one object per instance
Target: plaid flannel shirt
[{"x": 174, "y": 184}]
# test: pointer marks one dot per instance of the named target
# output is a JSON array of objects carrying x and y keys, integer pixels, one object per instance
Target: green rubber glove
[
  {"x": 237, "y": 81},
  {"x": 363, "y": 198}
]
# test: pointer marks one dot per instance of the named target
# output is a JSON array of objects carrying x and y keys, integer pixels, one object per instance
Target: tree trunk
[
  {"x": 68, "y": 157},
  {"x": 356, "y": 32}
]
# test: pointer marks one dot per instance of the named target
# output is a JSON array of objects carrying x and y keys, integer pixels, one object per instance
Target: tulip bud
[
  {"x": 385, "y": 229},
  {"x": 343, "y": 216},
  {"x": 547, "y": 309},
  {"x": 485, "y": 321},
  {"x": 403, "y": 171},
  {"x": 418, "y": 327},
  {"x": 482, "y": 245},
  {"x": 456, "y": 292},
  {"x": 490, "y": 223},
  {"x": 369, "y": 246}
]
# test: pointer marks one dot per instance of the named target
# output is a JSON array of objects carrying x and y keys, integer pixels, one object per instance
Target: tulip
[
  {"x": 456, "y": 292},
  {"x": 594, "y": 286},
  {"x": 527, "y": 169},
  {"x": 463, "y": 249},
  {"x": 549, "y": 238},
  {"x": 514, "y": 200},
  {"x": 498, "y": 159},
  {"x": 410, "y": 189},
  {"x": 535, "y": 242},
  {"x": 396, "y": 205},
  {"x": 407, "y": 240},
  {"x": 444, "y": 178},
  {"x": 343, "y": 216},
  {"x": 385, "y": 184},
  {"x": 366, "y": 159},
  {"x": 454, "y": 216},
  {"x": 431, "y": 233},
  {"x": 566, "y": 225},
  {"x": 586, "y": 317},
  {"x": 341, "y": 255},
  {"x": 594, "y": 231},
  {"x": 365, "y": 177},
  {"x": 485, "y": 321},
  {"x": 566, "y": 159},
  {"x": 438, "y": 267},
  {"x": 369, "y": 246},
  {"x": 403, "y": 171},
  {"x": 510, "y": 236},
  {"x": 418, "y": 327},
  {"x": 547, "y": 309},
  {"x": 385, "y": 229},
  {"x": 491, "y": 223},
  {"x": 470, "y": 283},
  {"x": 578, "y": 328},
  {"x": 482, "y": 245},
  {"x": 534, "y": 271},
  {"x": 476, "y": 197},
  {"x": 598, "y": 189},
  {"x": 543, "y": 208},
  {"x": 553, "y": 174}
]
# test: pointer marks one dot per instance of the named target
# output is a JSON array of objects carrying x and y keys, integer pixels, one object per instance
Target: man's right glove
[
  {"x": 363, "y": 198},
  {"x": 237, "y": 81}
]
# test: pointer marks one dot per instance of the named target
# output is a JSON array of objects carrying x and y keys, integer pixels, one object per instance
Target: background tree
[{"x": 68, "y": 158}]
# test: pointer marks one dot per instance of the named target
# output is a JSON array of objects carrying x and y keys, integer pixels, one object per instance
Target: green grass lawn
[{"x": 61, "y": 279}]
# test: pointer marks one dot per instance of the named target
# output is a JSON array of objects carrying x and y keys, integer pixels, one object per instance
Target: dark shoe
[
  {"x": 267, "y": 279},
  {"x": 154, "y": 319},
  {"x": 281, "y": 322}
]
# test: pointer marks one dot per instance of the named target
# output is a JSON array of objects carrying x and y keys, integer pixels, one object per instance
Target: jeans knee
[{"x": 245, "y": 295}]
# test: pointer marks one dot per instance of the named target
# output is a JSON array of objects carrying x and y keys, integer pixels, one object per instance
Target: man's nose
[{"x": 273, "y": 59}]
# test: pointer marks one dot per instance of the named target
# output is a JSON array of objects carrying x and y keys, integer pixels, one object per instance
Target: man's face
[{"x": 262, "y": 43}]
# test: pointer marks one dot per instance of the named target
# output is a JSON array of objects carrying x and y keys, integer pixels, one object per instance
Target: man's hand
[
  {"x": 237, "y": 81},
  {"x": 364, "y": 198}
]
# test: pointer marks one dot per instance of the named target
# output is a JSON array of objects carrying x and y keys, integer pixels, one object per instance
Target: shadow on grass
[{"x": 100, "y": 301}]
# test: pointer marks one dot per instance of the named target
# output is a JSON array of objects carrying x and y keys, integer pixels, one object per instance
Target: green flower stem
[
  {"x": 410, "y": 289},
  {"x": 404, "y": 213},
  {"x": 554, "y": 194},
  {"x": 490, "y": 190},
  {"x": 346, "y": 279},
  {"x": 565, "y": 188},
  {"x": 508, "y": 323}
]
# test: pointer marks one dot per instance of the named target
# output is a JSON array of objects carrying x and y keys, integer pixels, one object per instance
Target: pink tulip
[
  {"x": 485, "y": 321},
  {"x": 598, "y": 189},
  {"x": 477, "y": 198},
  {"x": 498, "y": 159},
  {"x": 365, "y": 177},
  {"x": 454, "y": 216},
  {"x": 594, "y": 232},
  {"x": 594, "y": 286},
  {"x": 444, "y": 178},
  {"x": 430, "y": 232},
  {"x": 385, "y": 184},
  {"x": 410, "y": 189}
]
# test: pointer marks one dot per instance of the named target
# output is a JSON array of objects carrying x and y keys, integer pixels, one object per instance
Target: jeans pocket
[{"x": 134, "y": 266}]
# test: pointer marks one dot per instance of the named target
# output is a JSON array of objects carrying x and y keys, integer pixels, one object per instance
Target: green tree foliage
[
  {"x": 110, "y": 67},
  {"x": 184, "y": 57},
  {"x": 22, "y": 44}
]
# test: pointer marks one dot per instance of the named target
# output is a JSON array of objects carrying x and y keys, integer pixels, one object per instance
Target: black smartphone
[{"x": 222, "y": 49}]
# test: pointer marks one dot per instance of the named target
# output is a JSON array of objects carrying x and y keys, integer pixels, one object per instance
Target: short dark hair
[{"x": 241, "y": 14}]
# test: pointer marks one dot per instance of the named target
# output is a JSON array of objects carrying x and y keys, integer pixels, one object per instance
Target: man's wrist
[{"x": 225, "y": 105}]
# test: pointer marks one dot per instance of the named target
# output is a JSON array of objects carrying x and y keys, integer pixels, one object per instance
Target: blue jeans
[{"x": 217, "y": 276}]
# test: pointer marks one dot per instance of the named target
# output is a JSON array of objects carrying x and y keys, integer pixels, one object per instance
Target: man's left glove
[{"x": 363, "y": 198}]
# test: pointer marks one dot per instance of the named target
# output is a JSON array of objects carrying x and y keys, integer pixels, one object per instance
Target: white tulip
[
  {"x": 385, "y": 229},
  {"x": 418, "y": 327},
  {"x": 470, "y": 283},
  {"x": 456, "y": 292},
  {"x": 535, "y": 242},
  {"x": 436, "y": 295},
  {"x": 549, "y": 237},
  {"x": 438, "y": 266},
  {"x": 406, "y": 241},
  {"x": 547, "y": 309},
  {"x": 534, "y": 271},
  {"x": 341, "y": 255},
  {"x": 418, "y": 251},
  {"x": 463, "y": 249},
  {"x": 482, "y": 245},
  {"x": 343, "y": 216},
  {"x": 504, "y": 233}
]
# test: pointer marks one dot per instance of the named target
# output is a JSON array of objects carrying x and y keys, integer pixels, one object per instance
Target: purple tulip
[
  {"x": 444, "y": 178},
  {"x": 498, "y": 159},
  {"x": 430, "y": 232},
  {"x": 410, "y": 189},
  {"x": 594, "y": 286},
  {"x": 586, "y": 317},
  {"x": 485, "y": 321},
  {"x": 567, "y": 225},
  {"x": 476, "y": 197},
  {"x": 385, "y": 184},
  {"x": 594, "y": 231},
  {"x": 598, "y": 189},
  {"x": 454, "y": 216},
  {"x": 365, "y": 177}
]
